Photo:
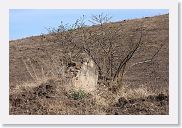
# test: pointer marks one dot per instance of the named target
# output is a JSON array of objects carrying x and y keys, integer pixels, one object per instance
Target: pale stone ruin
[{"x": 85, "y": 76}]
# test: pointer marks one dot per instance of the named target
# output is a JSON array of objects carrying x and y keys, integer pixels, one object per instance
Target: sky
[{"x": 31, "y": 22}]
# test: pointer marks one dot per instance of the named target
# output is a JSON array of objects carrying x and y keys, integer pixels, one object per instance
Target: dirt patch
[
  {"x": 47, "y": 90},
  {"x": 51, "y": 99},
  {"x": 156, "y": 104},
  {"x": 28, "y": 101},
  {"x": 142, "y": 90}
]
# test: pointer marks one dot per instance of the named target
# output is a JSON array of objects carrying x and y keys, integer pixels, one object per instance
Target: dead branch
[
  {"x": 145, "y": 61},
  {"x": 127, "y": 58},
  {"x": 100, "y": 19}
]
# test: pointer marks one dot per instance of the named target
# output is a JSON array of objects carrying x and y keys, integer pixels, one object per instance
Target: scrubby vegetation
[{"x": 105, "y": 69}]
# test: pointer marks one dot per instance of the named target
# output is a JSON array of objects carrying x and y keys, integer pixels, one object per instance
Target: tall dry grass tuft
[
  {"x": 141, "y": 91},
  {"x": 39, "y": 72}
]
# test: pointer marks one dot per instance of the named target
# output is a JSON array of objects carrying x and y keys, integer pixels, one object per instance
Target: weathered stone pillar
[{"x": 87, "y": 77}]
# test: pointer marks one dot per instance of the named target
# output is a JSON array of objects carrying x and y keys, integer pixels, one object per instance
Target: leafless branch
[
  {"x": 100, "y": 19},
  {"x": 128, "y": 57},
  {"x": 145, "y": 61}
]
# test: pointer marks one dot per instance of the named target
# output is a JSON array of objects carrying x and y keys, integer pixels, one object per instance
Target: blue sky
[{"x": 29, "y": 22}]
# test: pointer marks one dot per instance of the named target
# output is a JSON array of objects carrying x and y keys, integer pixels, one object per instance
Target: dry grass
[
  {"x": 52, "y": 98},
  {"x": 40, "y": 85},
  {"x": 48, "y": 94},
  {"x": 140, "y": 92}
]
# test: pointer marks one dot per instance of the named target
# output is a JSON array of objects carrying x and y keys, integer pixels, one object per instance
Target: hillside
[{"x": 37, "y": 84}]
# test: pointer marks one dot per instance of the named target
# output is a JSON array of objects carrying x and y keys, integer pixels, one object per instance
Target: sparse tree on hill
[{"x": 99, "y": 45}]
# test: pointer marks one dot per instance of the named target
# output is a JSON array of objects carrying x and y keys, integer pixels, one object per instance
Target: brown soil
[
  {"x": 144, "y": 88},
  {"x": 155, "y": 105},
  {"x": 44, "y": 99}
]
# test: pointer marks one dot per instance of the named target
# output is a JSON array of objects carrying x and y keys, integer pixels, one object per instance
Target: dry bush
[
  {"x": 48, "y": 90},
  {"x": 142, "y": 91},
  {"x": 110, "y": 56}
]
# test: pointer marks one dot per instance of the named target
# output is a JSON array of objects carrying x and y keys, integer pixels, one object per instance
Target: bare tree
[
  {"x": 99, "y": 44},
  {"x": 100, "y": 19}
]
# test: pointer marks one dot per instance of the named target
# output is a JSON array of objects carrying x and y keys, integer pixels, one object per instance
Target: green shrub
[{"x": 77, "y": 94}]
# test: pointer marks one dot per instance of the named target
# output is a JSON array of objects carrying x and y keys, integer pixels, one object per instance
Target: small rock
[{"x": 122, "y": 101}]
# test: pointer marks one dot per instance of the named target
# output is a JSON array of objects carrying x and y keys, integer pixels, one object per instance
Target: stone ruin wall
[{"x": 87, "y": 77}]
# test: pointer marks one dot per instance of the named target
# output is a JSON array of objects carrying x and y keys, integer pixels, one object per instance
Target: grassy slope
[{"x": 140, "y": 83}]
